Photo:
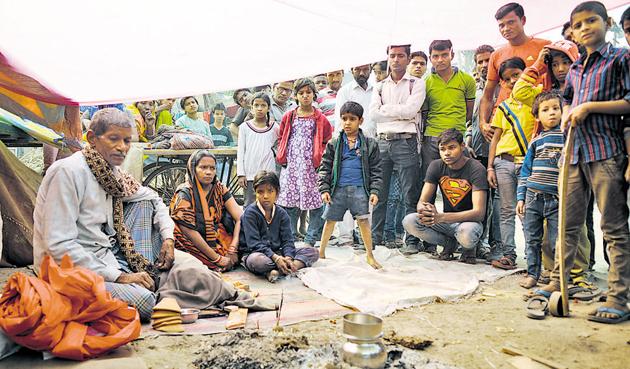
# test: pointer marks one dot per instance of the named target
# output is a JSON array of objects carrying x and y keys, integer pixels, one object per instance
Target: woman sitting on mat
[{"x": 207, "y": 218}]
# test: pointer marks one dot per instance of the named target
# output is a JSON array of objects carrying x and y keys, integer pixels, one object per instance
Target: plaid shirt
[{"x": 605, "y": 77}]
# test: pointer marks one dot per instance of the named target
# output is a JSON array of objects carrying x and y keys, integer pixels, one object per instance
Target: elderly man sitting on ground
[{"x": 107, "y": 222}]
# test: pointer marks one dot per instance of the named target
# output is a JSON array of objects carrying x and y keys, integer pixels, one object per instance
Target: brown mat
[{"x": 300, "y": 304}]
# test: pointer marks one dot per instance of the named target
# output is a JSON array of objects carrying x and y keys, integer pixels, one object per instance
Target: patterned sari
[{"x": 193, "y": 208}]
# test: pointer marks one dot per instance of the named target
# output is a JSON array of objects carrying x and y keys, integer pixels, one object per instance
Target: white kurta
[{"x": 74, "y": 215}]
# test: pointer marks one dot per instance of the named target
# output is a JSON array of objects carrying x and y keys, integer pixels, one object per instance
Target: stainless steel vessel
[{"x": 364, "y": 348}]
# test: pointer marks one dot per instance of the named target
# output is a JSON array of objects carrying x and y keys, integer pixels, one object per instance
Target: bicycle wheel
[
  {"x": 149, "y": 168},
  {"x": 165, "y": 179}
]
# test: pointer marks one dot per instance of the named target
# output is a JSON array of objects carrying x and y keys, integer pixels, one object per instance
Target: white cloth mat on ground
[{"x": 404, "y": 281}]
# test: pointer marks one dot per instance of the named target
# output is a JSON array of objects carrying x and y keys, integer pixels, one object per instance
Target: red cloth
[
  {"x": 66, "y": 311},
  {"x": 323, "y": 134}
]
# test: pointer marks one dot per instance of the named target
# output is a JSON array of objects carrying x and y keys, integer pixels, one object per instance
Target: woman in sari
[{"x": 207, "y": 218}]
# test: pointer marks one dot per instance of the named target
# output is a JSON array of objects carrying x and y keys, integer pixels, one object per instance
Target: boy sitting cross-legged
[{"x": 350, "y": 177}]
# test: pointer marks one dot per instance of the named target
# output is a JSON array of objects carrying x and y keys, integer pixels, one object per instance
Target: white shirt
[
  {"x": 255, "y": 149},
  {"x": 395, "y": 106},
  {"x": 74, "y": 215},
  {"x": 353, "y": 92}
]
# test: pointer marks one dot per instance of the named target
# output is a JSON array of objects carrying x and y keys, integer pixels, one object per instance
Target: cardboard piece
[
  {"x": 167, "y": 304},
  {"x": 236, "y": 319},
  {"x": 170, "y": 328},
  {"x": 168, "y": 321},
  {"x": 163, "y": 314}
]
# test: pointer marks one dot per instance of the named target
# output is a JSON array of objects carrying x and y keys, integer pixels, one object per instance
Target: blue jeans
[
  {"x": 315, "y": 224},
  {"x": 447, "y": 235},
  {"x": 492, "y": 221},
  {"x": 395, "y": 210},
  {"x": 507, "y": 177},
  {"x": 538, "y": 207},
  {"x": 401, "y": 155}
]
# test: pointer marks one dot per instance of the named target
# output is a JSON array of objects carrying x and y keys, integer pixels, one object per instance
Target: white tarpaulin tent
[{"x": 116, "y": 50}]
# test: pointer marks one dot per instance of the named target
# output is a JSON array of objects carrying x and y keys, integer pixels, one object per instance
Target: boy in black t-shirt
[{"x": 464, "y": 187}]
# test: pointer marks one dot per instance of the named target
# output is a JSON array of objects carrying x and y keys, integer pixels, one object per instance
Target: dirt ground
[{"x": 466, "y": 334}]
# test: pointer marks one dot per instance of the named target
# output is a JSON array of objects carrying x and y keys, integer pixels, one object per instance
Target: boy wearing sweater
[
  {"x": 266, "y": 239},
  {"x": 537, "y": 193},
  {"x": 350, "y": 178}
]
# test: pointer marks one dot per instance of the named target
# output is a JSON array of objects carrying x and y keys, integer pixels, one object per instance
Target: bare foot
[
  {"x": 322, "y": 254},
  {"x": 273, "y": 276},
  {"x": 528, "y": 282},
  {"x": 373, "y": 263},
  {"x": 553, "y": 286}
]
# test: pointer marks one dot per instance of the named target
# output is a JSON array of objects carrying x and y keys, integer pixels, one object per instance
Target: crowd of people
[{"x": 377, "y": 154}]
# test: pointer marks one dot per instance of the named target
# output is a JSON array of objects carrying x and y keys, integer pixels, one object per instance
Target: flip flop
[
  {"x": 468, "y": 260},
  {"x": 583, "y": 293},
  {"x": 536, "y": 293},
  {"x": 537, "y": 307},
  {"x": 621, "y": 315},
  {"x": 444, "y": 256},
  {"x": 504, "y": 263}
]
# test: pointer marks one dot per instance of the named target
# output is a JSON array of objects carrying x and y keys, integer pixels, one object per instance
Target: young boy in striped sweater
[{"x": 537, "y": 192}]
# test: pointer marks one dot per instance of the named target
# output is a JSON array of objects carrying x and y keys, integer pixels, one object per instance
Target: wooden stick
[
  {"x": 561, "y": 245},
  {"x": 510, "y": 350}
]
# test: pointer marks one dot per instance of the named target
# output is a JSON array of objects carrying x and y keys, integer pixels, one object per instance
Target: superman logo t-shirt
[{"x": 457, "y": 186}]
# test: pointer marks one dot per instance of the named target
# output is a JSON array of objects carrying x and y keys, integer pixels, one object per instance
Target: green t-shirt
[{"x": 446, "y": 102}]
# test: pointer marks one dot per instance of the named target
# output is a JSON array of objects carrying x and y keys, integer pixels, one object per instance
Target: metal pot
[
  {"x": 364, "y": 348},
  {"x": 189, "y": 315}
]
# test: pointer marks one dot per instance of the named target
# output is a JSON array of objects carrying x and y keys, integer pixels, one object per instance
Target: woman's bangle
[
  {"x": 490, "y": 169},
  {"x": 216, "y": 260}
]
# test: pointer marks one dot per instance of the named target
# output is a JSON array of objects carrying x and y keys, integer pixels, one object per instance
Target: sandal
[
  {"x": 469, "y": 259},
  {"x": 505, "y": 263},
  {"x": 544, "y": 279},
  {"x": 444, "y": 256},
  {"x": 537, "y": 307},
  {"x": 584, "y": 293},
  {"x": 535, "y": 293},
  {"x": 621, "y": 315}
]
